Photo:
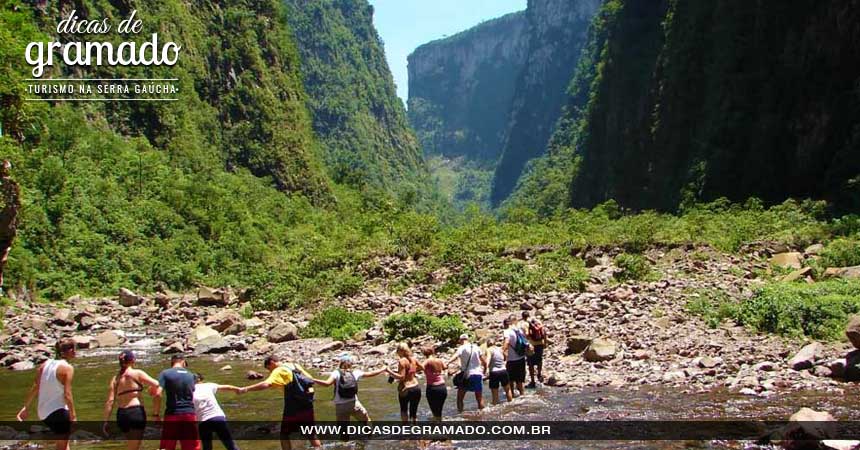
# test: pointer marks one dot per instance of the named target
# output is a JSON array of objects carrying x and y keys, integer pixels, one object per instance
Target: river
[{"x": 95, "y": 368}]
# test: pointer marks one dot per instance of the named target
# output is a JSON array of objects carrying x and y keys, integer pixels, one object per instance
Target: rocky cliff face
[
  {"x": 461, "y": 88},
  {"x": 557, "y": 31},
  {"x": 698, "y": 100},
  {"x": 361, "y": 123}
]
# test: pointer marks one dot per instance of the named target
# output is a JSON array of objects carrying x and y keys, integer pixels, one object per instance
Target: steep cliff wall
[
  {"x": 697, "y": 100},
  {"x": 356, "y": 113},
  {"x": 461, "y": 88},
  {"x": 557, "y": 32}
]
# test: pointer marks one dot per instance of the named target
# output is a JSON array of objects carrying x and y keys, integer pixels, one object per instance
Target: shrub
[
  {"x": 841, "y": 253},
  {"x": 818, "y": 310},
  {"x": 631, "y": 267},
  {"x": 713, "y": 307},
  {"x": 338, "y": 323},
  {"x": 400, "y": 327}
]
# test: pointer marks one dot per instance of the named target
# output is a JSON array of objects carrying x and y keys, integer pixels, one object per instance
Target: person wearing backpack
[
  {"x": 298, "y": 387},
  {"x": 514, "y": 349},
  {"x": 537, "y": 338},
  {"x": 345, "y": 381}
]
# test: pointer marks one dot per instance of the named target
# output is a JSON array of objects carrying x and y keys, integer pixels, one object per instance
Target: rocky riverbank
[{"x": 616, "y": 334}]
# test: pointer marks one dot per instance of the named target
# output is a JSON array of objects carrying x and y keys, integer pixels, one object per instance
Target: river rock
[
  {"x": 85, "y": 341},
  {"x": 128, "y": 298},
  {"x": 706, "y": 362},
  {"x": 226, "y": 368},
  {"x": 852, "y": 366},
  {"x": 207, "y": 296},
  {"x": 481, "y": 310},
  {"x": 805, "y": 357},
  {"x": 22, "y": 365},
  {"x": 162, "y": 300},
  {"x": 556, "y": 380},
  {"x": 806, "y": 427},
  {"x": 381, "y": 349},
  {"x": 813, "y": 249},
  {"x": 254, "y": 322},
  {"x": 283, "y": 333},
  {"x": 852, "y": 331},
  {"x": 35, "y": 323},
  {"x": 212, "y": 344},
  {"x": 85, "y": 320},
  {"x": 792, "y": 260},
  {"x": 175, "y": 347},
  {"x": 765, "y": 366},
  {"x": 254, "y": 375},
  {"x": 202, "y": 332},
  {"x": 577, "y": 344},
  {"x": 110, "y": 338},
  {"x": 798, "y": 274},
  {"x": 330, "y": 347},
  {"x": 600, "y": 350},
  {"x": 850, "y": 273},
  {"x": 227, "y": 322},
  {"x": 63, "y": 317}
]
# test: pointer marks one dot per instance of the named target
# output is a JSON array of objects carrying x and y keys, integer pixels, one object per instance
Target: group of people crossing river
[{"x": 193, "y": 417}]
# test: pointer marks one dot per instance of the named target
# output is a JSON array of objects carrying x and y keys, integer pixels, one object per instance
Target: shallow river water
[{"x": 94, "y": 370}]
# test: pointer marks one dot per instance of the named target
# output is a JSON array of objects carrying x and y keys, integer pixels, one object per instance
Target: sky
[{"x": 406, "y": 24}]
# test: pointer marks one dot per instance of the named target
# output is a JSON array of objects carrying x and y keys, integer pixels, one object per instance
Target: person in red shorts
[
  {"x": 297, "y": 384},
  {"x": 176, "y": 384}
]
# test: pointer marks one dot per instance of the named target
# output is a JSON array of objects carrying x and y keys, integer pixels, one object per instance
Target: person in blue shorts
[{"x": 473, "y": 364}]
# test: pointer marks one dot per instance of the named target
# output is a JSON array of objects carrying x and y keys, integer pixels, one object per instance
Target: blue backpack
[{"x": 521, "y": 344}]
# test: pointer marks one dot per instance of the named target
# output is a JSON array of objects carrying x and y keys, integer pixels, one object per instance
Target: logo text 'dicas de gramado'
[{"x": 40, "y": 55}]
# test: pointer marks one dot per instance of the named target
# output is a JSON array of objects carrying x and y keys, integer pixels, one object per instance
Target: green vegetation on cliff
[
  {"x": 361, "y": 123},
  {"x": 698, "y": 100}
]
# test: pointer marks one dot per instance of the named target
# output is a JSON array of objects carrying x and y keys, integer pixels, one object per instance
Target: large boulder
[
  {"x": 22, "y": 365},
  {"x": 283, "y": 333},
  {"x": 791, "y": 260},
  {"x": 805, "y": 358},
  {"x": 577, "y": 344},
  {"x": 852, "y": 331},
  {"x": 63, "y": 317},
  {"x": 798, "y": 274},
  {"x": 110, "y": 338},
  {"x": 806, "y": 428},
  {"x": 85, "y": 341},
  {"x": 227, "y": 322},
  {"x": 600, "y": 350},
  {"x": 128, "y": 298},
  {"x": 202, "y": 332},
  {"x": 212, "y": 344},
  {"x": 207, "y": 296},
  {"x": 35, "y": 323},
  {"x": 254, "y": 322},
  {"x": 851, "y": 372},
  {"x": 849, "y": 273}
]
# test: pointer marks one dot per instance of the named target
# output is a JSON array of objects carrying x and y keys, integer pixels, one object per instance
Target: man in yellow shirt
[{"x": 298, "y": 397}]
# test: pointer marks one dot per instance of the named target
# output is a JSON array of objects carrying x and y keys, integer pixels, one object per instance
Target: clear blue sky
[{"x": 406, "y": 24}]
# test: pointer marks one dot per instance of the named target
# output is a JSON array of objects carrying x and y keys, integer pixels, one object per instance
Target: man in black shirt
[{"x": 176, "y": 384}]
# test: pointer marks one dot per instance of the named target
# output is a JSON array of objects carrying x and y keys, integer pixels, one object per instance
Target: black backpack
[
  {"x": 347, "y": 385},
  {"x": 301, "y": 390}
]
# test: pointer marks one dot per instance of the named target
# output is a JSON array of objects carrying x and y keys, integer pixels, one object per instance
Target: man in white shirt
[
  {"x": 53, "y": 384},
  {"x": 515, "y": 361},
  {"x": 473, "y": 364}
]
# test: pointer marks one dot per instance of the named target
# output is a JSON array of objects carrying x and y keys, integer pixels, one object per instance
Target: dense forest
[{"x": 360, "y": 122}]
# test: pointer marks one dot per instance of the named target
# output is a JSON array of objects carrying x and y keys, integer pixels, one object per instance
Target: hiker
[
  {"x": 471, "y": 375},
  {"x": 210, "y": 416},
  {"x": 437, "y": 390},
  {"x": 408, "y": 390},
  {"x": 537, "y": 338},
  {"x": 345, "y": 381},
  {"x": 298, "y": 388},
  {"x": 53, "y": 383},
  {"x": 498, "y": 374},
  {"x": 124, "y": 391},
  {"x": 10, "y": 196},
  {"x": 514, "y": 350},
  {"x": 176, "y": 384}
]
